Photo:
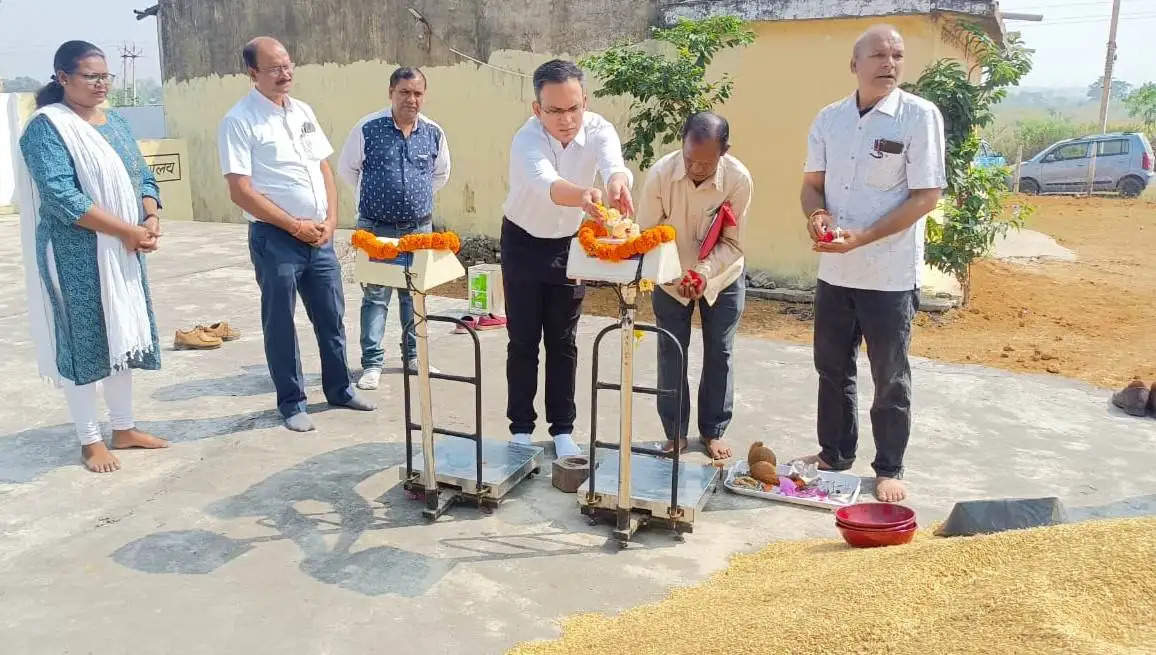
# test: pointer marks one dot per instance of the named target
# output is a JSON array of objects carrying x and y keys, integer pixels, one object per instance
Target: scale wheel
[
  {"x": 679, "y": 537},
  {"x": 591, "y": 521},
  {"x": 622, "y": 544}
]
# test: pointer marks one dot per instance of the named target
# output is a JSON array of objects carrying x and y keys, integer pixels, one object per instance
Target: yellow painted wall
[
  {"x": 479, "y": 108},
  {"x": 792, "y": 70},
  {"x": 169, "y": 160}
]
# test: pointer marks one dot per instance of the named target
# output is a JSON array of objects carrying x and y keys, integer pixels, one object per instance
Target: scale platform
[
  {"x": 504, "y": 465},
  {"x": 650, "y": 487}
]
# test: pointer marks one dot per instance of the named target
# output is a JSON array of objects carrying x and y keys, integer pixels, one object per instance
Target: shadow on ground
[
  {"x": 331, "y": 479},
  {"x": 27, "y": 455},
  {"x": 254, "y": 381}
]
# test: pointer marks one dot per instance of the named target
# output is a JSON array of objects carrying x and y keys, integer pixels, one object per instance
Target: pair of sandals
[{"x": 478, "y": 323}]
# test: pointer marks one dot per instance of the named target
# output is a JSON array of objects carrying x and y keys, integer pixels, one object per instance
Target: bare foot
[
  {"x": 668, "y": 447},
  {"x": 816, "y": 460},
  {"x": 718, "y": 449},
  {"x": 97, "y": 458},
  {"x": 889, "y": 490},
  {"x": 134, "y": 438}
]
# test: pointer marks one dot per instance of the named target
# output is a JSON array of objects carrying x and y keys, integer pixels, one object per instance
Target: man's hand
[
  {"x": 619, "y": 193},
  {"x": 591, "y": 199},
  {"x": 692, "y": 285},
  {"x": 850, "y": 241},
  {"x": 306, "y": 231},
  {"x": 324, "y": 233},
  {"x": 817, "y": 224}
]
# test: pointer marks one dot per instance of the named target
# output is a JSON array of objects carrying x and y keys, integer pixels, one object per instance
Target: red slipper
[
  {"x": 490, "y": 322},
  {"x": 468, "y": 320}
]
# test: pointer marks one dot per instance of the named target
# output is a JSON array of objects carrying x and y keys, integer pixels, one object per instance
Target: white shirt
[
  {"x": 537, "y": 160},
  {"x": 353, "y": 153},
  {"x": 280, "y": 149},
  {"x": 863, "y": 184}
]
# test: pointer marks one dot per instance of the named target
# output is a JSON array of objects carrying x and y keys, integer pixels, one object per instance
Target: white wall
[{"x": 9, "y": 146}]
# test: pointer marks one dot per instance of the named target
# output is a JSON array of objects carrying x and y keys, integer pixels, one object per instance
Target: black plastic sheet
[{"x": 988, "y": 516}]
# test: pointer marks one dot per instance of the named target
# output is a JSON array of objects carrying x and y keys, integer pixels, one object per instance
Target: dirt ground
[{"x": 1093, "y": 319}]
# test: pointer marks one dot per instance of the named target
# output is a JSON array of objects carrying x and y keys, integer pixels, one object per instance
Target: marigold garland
[
  {"x": 365, "y": 240},
  {"x": 591, "y": 231}
]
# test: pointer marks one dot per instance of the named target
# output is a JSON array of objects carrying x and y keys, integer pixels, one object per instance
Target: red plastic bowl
[
  {"x": 905, "y": 526},
  {"x": 875, "y": 515},
  {"x": 872, "y": 539}
]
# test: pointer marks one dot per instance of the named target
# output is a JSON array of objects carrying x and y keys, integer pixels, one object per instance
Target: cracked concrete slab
[{"x": 244, "y": 537}]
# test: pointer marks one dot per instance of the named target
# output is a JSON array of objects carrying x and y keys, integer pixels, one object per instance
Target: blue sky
[{"x": 1070, "y": 42}]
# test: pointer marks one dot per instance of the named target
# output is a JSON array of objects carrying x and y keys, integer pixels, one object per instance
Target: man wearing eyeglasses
[
  {"x": 553, "y": 161},
  {"x": 273, "y": 155}
]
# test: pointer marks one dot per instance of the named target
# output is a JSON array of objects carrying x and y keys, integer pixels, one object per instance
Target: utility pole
[
  {"x": 128, "y": 56},
  {"x": 1105, "y": 93}
]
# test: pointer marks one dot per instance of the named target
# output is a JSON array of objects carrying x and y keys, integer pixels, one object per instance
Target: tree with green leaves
[
  {"x": 665, "y": 89},
  {"x": 974, "y": 215},
  {"x": 1141, "y": 104},
  {"x": 1120, "y": 89}
]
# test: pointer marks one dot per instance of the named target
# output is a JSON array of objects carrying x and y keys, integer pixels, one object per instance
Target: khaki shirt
[{"x": 670, "y": 197}]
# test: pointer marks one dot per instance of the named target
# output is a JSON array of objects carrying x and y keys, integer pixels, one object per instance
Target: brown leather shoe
[
  {"x": 195, "y": 339},
  {"x": 222, "y": 331},
  {"x": 1135, "y": 399}
]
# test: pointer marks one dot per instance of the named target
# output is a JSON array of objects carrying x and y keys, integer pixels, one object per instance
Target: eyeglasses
[
  {"x": 94, "y": 78},
  {"x": 278, "y": 70}
]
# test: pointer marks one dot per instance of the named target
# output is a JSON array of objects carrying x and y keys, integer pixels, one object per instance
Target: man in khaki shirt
[{"x": 695, "y": 189}]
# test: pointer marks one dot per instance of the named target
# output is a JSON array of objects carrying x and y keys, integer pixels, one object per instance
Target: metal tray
[
  {"x": 650, "y": 484},
  {"x": 504, "y": 463},
  {"x": 848, "y": 485}
]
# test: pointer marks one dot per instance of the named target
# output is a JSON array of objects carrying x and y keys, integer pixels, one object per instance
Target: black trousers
[
  {"x": 542, "y": 306},
  {"x": 844, "y": 317}
]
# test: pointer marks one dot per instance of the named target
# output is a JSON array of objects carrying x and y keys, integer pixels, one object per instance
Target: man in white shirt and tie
[{"x": 553, "y": 161}]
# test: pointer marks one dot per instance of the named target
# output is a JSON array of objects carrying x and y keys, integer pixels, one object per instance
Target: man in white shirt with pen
[
  {"x": 874, "y": 170},
  {"x": 553, "y": 162},
  {"x": 273, "y": 155}
]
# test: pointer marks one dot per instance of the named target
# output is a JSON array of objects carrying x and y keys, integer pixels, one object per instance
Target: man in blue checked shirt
[{"x": 395, "y": 160}]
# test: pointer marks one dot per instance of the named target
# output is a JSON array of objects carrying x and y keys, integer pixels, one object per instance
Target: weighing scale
[
  {"x": 451, "y": 466},
  {"x": 634, "y": 486}
]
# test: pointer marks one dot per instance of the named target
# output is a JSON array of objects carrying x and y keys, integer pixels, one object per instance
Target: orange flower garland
[
  {"x": 364, "y": 240},
  {"x": 591, "y": 231}
]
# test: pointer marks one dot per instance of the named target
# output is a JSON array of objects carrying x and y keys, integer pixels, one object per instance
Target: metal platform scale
[
  {"x": 635, "y": 486},
  {"x": 461, "y": 466}
]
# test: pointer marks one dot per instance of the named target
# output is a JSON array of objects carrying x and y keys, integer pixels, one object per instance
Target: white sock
[
  {"x": 523, "y": 439},
  {"x": 565, "y": 446}
]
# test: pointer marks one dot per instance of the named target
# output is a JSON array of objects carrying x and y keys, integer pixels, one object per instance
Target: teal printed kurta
[{"x": 81, "y": 340}]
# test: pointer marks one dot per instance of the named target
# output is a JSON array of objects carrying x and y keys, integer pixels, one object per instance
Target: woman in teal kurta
[{"x": 66, "y": 250}]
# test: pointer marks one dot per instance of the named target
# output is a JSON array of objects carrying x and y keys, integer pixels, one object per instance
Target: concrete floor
[{"x": 244, "y": 537}]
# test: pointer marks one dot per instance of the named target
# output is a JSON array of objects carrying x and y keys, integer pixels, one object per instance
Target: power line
[
  {"x": 1139, "y": 18},
  {"x": 128, "y": 55},
  {"x": 1064, "y": 5}
]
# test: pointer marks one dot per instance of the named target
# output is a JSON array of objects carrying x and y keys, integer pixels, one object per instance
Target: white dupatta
[{"x": 104, "y": 179}]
